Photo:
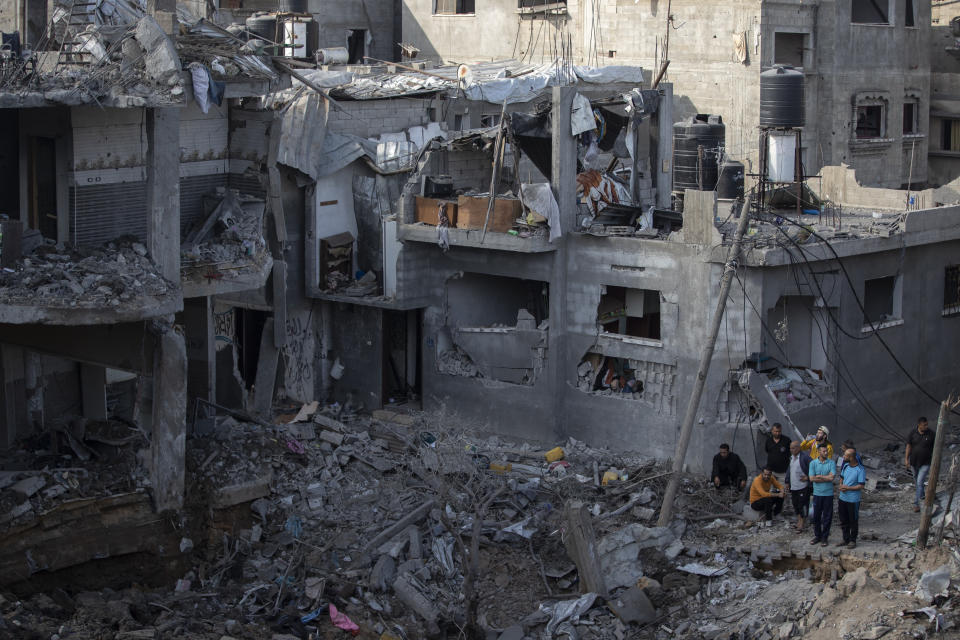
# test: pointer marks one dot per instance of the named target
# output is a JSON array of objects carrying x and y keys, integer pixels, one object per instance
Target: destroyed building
[
  {"x": 222, "y": 261},
  {"x": 866, "y": 65}
]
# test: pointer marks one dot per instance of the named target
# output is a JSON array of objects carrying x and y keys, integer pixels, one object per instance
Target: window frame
[
  {"x": 804, "y": 48},
  {"x": 459, "y": 8}
]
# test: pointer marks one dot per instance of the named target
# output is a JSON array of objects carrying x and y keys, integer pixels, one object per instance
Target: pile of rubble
[
  {"x": 75, "y": 459},
  {"x": 395, "y": 525},
  {"x": 229, "y": 244},
  {"x": 118, "y": 273}
]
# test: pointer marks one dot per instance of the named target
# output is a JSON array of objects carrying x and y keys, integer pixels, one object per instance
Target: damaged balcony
[
  {"x": 48, "y": 284},
  {"x": 455, "y": 206},
  {"x": 227, "y": 252}
]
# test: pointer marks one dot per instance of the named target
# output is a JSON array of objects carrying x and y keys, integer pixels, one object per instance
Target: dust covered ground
[{"x": 401, "y": 526}]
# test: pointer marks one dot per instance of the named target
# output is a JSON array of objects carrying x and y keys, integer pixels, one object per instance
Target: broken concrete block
[
  {"x": 160, "y": 55},
  {"x": 786, "y": 630},
  {"x": 19, "y": 510},
  {"x": 416, "y": 544},
  {"x": 29, "y": 486},
  {"x": 242, "y": 492},
  {"x": 301, "y": 431},
  {"x": 420, "y": 604},
  {"x": 382, "y": 574},
  {"x": 328, "y": 422},
  {"x": 633, "y": 605},
  {"x": 332, "y": 437}
]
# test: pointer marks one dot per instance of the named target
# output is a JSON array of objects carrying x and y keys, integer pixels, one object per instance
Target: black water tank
[
  {"x": 781, "y": 98},
  {"x": 292, "y": 6},
  {"x": 730, "y": 184},
  {"x": 263, "y": 25},
  {"x": 690, "y": 169}
]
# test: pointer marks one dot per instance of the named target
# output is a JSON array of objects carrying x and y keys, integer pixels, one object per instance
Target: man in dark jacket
[
  {"x": 798, "y": 482},
  {"x": 918, "y": 456},
  {"x": 728, "y": 469},
  {"x": 777, "y": 447}
]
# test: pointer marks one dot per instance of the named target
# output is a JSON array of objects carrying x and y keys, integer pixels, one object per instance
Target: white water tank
[
  {"x": 781, "y": 156},
  {"x": 295, "y": 36}
]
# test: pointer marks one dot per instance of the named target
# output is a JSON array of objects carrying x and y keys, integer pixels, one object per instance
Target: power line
[{"x": 874, "y": 332}]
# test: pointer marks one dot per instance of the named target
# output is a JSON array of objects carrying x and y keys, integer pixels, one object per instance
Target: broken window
[
  {"x": 604, "y": 373},
  {"x": 951, "y": 290},
  {"x": 788, "y": 48},
  {"x": 881, "y": 300},
  {"x": 453, "y": 7},
  {"x": 950, "y": 134},
  {"x": 869, "y": 12},
  {"x": 629, "y": 312},
  {"x": 911, "y": 112},
  {"x": 870, "y": 121}
]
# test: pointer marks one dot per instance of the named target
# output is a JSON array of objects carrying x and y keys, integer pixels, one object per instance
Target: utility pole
[
  {"x": 927, "y": 515},
  {"x": 706, "y": 356}
]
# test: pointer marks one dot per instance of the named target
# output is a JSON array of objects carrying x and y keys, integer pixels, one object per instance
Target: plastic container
[{"x": 554, "y": 454}]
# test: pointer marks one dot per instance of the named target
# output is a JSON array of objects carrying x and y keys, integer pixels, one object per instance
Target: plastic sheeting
[{"x": 538, "y": 197}]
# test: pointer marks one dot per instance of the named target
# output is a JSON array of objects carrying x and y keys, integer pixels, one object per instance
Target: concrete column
[
  {"x": 93, "y": 390},
  {"x": 664, "y": 133},
  {"x": 201, "y": 349},
  {"x": 33, "y": 376},
  {"x": 168, "y": 441},
  {"x": 564, "y": 186},
  {"x": 12, "y": 395},
  {"x": 163, "y": 190}
]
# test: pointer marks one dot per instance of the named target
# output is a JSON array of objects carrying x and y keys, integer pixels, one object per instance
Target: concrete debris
[
  {"x": 379, "y": 516},
  {"x": 933, "y": 583},
  {"x": 115, "y": 275},
  {"x": 229, "y": 245}
]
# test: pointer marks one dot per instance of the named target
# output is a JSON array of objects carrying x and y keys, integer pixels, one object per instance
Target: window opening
[
  {"x": 356, "y": 46},
  {"x": 950, "y": 140},
  {"x": 868, "y": 12},
  {"x": 870, "y": 121},
  {"x": 788, "y": 48},
  {"x": 630, "y": 312},
  {"x": 951, "y": 289},
  {"x": 911, "y": 20},
  {"x": 881, "y": 300},
  {"x": 42, "y": 185},
  {"x": 910, "y": 113}
]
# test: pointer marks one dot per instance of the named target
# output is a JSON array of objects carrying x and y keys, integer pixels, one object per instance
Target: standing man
[
  {"x": 766, "y": 495},
  {"x": 798, "y": 482},
  {"x": 728, "y": 469},
  {"x": 778, "y": 452},
  {"x": 852, "y": 479},
  {"x": 918, "y": 455},
  {"x": 811, "y": 445},
  {"x": 821, "y": 475}
]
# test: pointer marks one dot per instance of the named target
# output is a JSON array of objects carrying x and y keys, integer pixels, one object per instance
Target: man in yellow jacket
[
  {"x": 812, "y": 445},
  {"x": 766, "y": 495}
]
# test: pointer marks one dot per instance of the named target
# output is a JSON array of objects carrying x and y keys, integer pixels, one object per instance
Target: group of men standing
[{"x": 809, "y": 469}]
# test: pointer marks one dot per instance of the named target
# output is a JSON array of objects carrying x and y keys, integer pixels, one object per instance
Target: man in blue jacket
[
  {"x": 852, "y": 479},
  {"x": 822, "y": 472},
  {"x": 798, "y": 482}
]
